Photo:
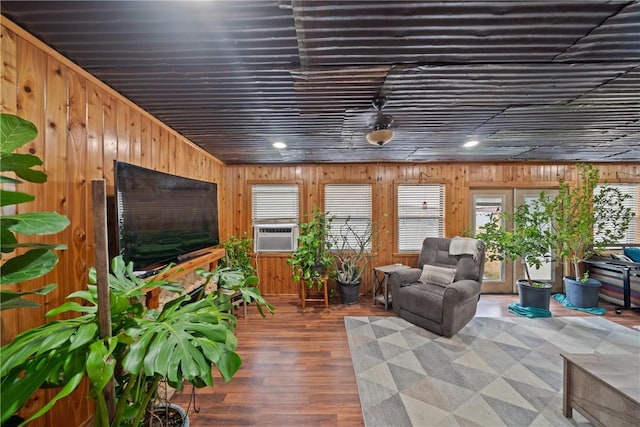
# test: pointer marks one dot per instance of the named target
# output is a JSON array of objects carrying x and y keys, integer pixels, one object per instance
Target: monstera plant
[
  {"x": 181, "y": 342},
  {"x": 30, "y": 260}
]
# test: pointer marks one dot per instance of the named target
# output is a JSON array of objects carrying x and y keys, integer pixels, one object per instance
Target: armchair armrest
[
  {"x": 404, "y": 276},
  {"x": 462, "y": 290},
  {"x": 399, "y": 278}
]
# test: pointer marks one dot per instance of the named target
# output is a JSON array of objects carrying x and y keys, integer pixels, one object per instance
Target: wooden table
[{"x": 604, "y": 388}]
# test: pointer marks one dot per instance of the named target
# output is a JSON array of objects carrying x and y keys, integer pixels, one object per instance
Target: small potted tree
[
  {"x": 312, "y": 260},
  {"x": 585, "y": 219},
  {"x": 528, "y": 241},
  {"x": 351, "y": 247}
]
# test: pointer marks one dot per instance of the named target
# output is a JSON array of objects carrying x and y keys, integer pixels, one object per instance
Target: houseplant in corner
[
  {"x": 312, "y": 260},
  {"x": 527, "y": 241},
  {"x": 585, "y": 219},
  {"x": 351, "y": 248}
]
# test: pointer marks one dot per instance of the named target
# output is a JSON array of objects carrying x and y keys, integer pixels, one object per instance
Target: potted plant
[
  {"x": 351, "y": 248},
  {"x": 237, "y": 254},
  {"x": 585, "y": 219},
  {"x": 312, "y": 259},
  {"x": 181, "y": 342},
  {"x": 527, "y": 241}
]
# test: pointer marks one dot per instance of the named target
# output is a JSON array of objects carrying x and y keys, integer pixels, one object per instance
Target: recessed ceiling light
[
  {"x": 471, "y": 143},
  {"x": 280, "y": 145}
]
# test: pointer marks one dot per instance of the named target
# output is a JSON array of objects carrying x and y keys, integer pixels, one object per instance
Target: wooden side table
[{"x": 381, "y": 283}]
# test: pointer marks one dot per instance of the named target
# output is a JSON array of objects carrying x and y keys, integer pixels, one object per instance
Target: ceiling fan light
[{"x": 380, "y": 136}]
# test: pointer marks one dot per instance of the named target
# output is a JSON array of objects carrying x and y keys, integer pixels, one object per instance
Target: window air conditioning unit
[{"x": 275, "y": 237}]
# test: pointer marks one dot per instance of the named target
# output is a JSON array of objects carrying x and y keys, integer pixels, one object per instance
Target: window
[
  {"x": 353, "y": 201},
  {"x": 420, "y": 214},
  {"x": 274, "y": 203},
  {"x": 633, "y": 233}
]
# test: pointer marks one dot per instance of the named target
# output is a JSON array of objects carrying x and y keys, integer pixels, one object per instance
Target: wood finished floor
[{"x": 297, "y": 367}]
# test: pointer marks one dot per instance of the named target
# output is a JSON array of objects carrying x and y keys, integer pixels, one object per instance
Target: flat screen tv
[{"x": 162, "y": 218}]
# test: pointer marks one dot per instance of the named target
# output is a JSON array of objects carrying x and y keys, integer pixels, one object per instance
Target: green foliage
[
  {"x": 235, "y": 280},
  {"x": 583, "y": 221},
  {"x": 39, "y": 258},
  {"x": 312, "y": 260},
  {"x": 237, "y": 254},
  {"x": 573, "y": 225},
  {"x": 527, "y": 239},
  {"x": 350, "y": 247},
  {"x": 178, "y": 343}
]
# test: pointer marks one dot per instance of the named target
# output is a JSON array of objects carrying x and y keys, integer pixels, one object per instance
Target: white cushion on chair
[{"x": 440, "y": 276}]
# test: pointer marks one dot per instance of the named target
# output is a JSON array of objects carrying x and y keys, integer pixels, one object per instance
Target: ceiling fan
[{"x": 380, "y": 127}]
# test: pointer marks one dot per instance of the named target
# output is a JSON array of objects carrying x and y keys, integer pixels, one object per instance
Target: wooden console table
[
  {"x": 208, "y": 257},
  {"x": 604, "y": 388}
]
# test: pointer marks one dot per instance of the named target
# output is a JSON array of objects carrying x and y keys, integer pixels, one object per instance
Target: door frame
[
  {"x": 505, "y": 285},
  {"x": 512, "y": 196}
]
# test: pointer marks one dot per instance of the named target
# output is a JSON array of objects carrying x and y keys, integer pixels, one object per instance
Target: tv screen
[{"x": 161, "y": 218}]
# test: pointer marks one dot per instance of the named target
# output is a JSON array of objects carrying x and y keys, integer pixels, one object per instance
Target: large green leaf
[
  {"x": 33, "y": 264},
  {"x": 15, "y": 132},
  {"x": 21, "y": 165},
  {"x": 14, "y": 197},
  {"x": 229, "y": 364},
  {"x": 85, "y": 334},
  {"x": 100, "y": 364},
  {"x": 37, "y": 222},
  {"x": 12, "y": 299}
]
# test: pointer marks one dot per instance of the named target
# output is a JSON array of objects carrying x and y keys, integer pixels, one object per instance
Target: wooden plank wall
[
  {"x": 275, "y": 275},
  {"x": 83, "y": 127}
]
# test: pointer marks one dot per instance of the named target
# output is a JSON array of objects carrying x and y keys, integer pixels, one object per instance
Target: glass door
[{"x": 498, "y": 275}]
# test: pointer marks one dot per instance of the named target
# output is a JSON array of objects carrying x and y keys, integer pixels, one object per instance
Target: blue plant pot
[{"x": 583, "y": 295}]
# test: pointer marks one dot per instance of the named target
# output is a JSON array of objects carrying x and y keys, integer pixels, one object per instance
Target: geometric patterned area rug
[{"x": 497, "y": 371}]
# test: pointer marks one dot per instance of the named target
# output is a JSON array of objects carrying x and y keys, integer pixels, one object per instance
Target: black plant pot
[
  {"x": 582, "y": 294},
  {"x": 349, "y": 292},
  {"x": 534, "y": 296}
]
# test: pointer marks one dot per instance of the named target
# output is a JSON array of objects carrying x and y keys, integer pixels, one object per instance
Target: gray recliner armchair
[{"x": 447, "y": 297}]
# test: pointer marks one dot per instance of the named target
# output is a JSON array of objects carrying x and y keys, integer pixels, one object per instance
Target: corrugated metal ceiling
[{"x": 533, "y": 80}]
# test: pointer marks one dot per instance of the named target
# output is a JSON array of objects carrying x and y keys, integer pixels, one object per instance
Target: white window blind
[
  {"x": 420, "y": 214},
  {"x": 274, "y": 203},
  {"x": 633, "y": 233},
  {"x": 353, "y": 201}
]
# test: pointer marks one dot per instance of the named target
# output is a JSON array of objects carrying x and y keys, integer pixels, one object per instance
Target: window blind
[
  {"x": 420, "y": 214},
  {"x": 274, "y": 203},
  {"x": 353, "y": 201}
]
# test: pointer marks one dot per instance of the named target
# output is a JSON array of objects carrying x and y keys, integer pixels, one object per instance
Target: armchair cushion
[{"x": 441, "y": 276}]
